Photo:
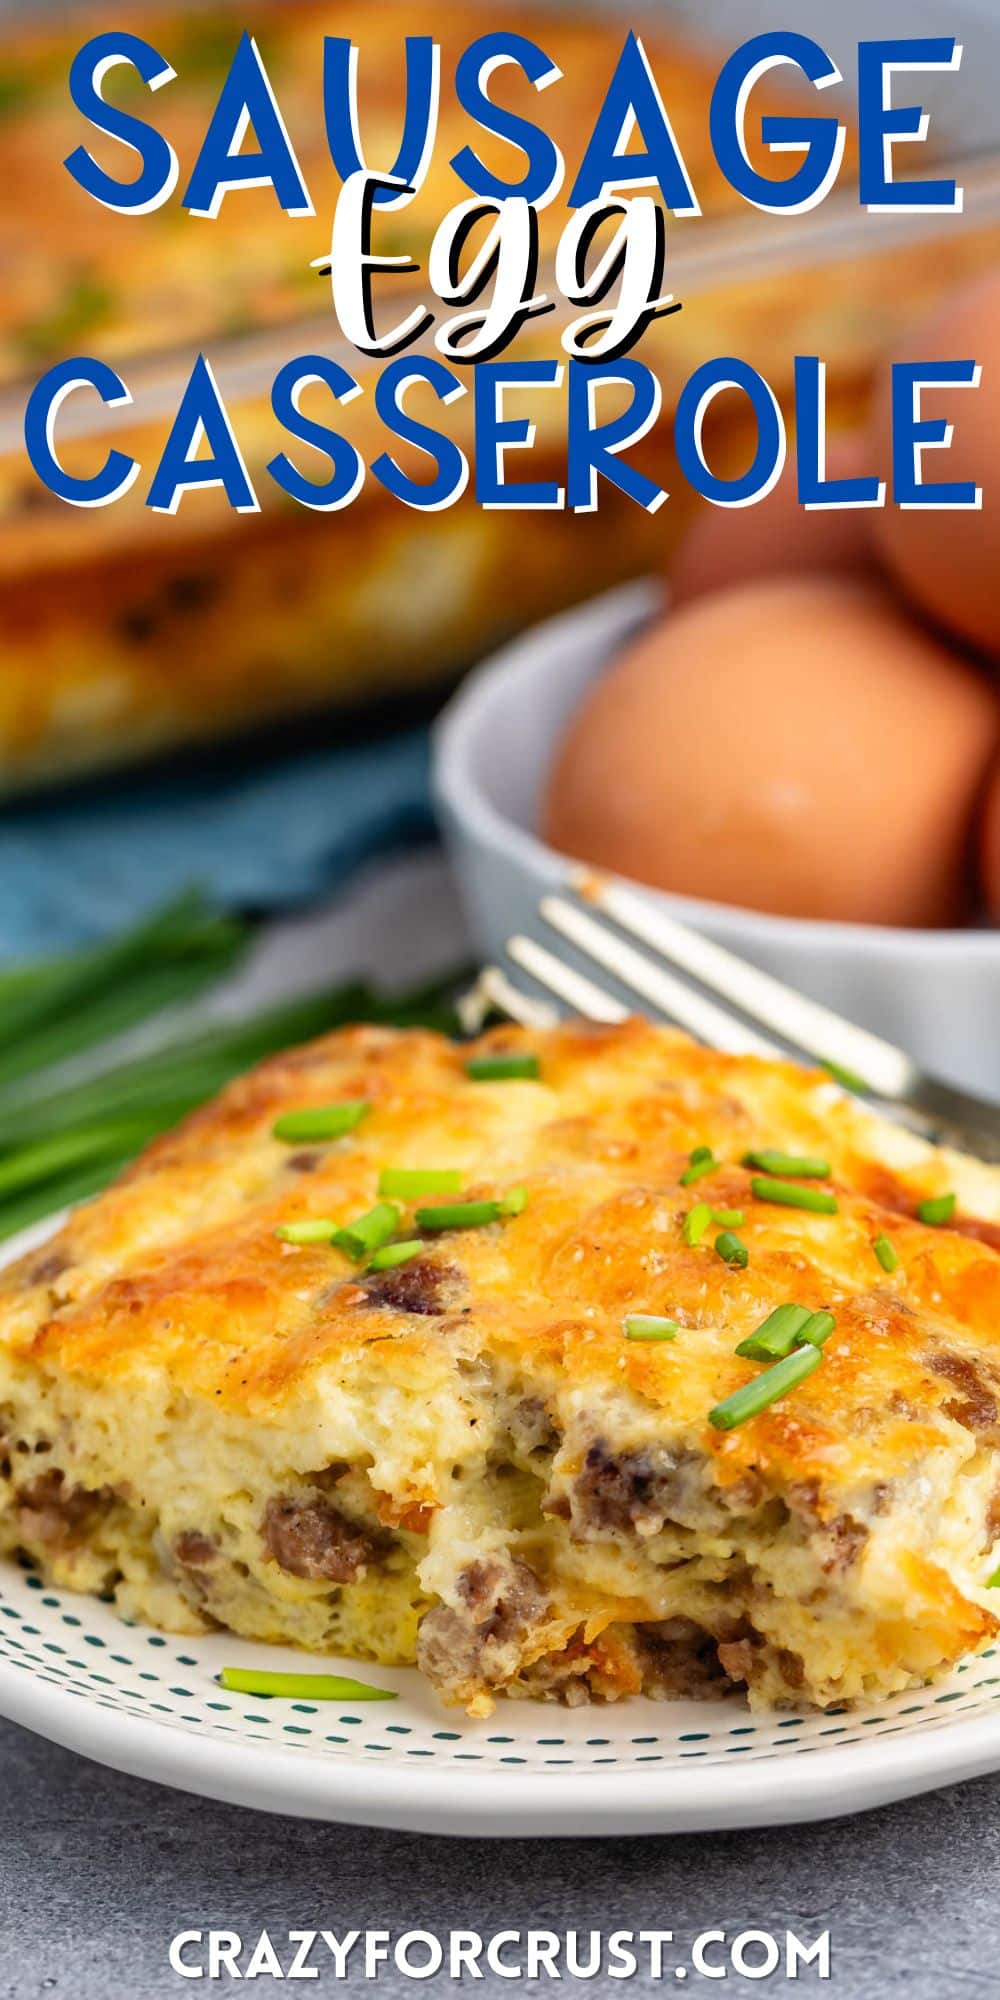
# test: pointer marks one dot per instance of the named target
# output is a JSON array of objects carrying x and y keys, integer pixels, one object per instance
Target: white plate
[{"x": 149, "y": 1703}]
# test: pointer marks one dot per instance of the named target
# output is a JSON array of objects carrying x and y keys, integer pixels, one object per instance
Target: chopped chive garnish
[
  {"x": 321, "y": 1121},
  {"x": 472, "y": 1214},
  {"x": 818, "y": 1328},
  {"x": 765, "y": 1389},
  {"x": 650, "y": 1326},
  {"x": 777, "y": 1336},
  {"x": 939, "y": 1208},
  {"x": 392, "y": 1254},
  {"x": 318, "y": 1231},
  {"x": 731, "y": 1250},
  {"x": 304, "y": 1687},
  {"x": 993, "y": 1582},
  {"x": 696, "y": 1223},
  {"x": 459, "y": 1215},
  {"x": 789, "y": 1194},
  {"x": 358, "y": 1239},
  {"x": 886, "y": 1252},
  {"x": 406, "y": 1182},
  {"x": 728, "y": 1218},
  {"x": 797, "y": 1165},
  {"x": 501, "y": 1069},
  {"x": 702, "y": 1162},
  {"x": 848, "y": 1079}
]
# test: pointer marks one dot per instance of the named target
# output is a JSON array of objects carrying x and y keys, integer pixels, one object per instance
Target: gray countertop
[{"x": 98, "y": 1872}]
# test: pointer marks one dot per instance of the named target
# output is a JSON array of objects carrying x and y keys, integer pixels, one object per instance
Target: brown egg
[
  {"x": 798, "y": 745},
  {"x": 948, "y": 561},
  {"x": 727, "y": 545},
  {"x": 989, "y": 847}
]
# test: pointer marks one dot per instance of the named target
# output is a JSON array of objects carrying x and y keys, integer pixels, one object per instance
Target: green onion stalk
[{"x": 76, "y": 1106}]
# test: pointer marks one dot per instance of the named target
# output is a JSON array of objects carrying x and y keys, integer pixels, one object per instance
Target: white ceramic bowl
[{"x": 935, "y": 992}]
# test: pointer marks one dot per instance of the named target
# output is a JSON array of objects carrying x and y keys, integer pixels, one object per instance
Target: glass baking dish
[{"x": 124, "y": 633}]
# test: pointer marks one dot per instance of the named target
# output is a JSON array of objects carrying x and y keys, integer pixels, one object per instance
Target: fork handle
[{"x": 951, "y": 1116}]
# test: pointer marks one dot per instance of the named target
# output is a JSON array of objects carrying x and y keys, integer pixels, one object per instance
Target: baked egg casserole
[{"x": 572, "y": 1364}]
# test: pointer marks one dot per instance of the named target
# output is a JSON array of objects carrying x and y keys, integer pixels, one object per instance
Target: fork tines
[
  {"x": 717, "y": 997},
  {"x": 720, "y": 1000}
]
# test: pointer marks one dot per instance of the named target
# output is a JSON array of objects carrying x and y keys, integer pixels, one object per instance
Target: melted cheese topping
[{"x": 169, "y": 1350}]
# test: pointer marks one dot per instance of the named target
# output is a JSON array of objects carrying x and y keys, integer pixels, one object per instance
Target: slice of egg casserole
[{"x": 569, "y": 1364}]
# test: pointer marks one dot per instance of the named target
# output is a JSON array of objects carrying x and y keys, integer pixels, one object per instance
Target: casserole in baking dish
[{"x": 124, "y": 633}]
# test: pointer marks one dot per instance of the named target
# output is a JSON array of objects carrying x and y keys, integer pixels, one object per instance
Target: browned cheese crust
[{"x": 464, "y": 1459}]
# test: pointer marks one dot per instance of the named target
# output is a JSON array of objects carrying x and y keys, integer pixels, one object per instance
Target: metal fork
[{"x": 720, "y": 1000}]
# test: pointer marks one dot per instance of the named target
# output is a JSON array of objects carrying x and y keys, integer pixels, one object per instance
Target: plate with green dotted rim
[{"x": 150, "y": 1703}]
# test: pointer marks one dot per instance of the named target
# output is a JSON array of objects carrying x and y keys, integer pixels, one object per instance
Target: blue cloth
[{"x": 259, "y": 839}]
